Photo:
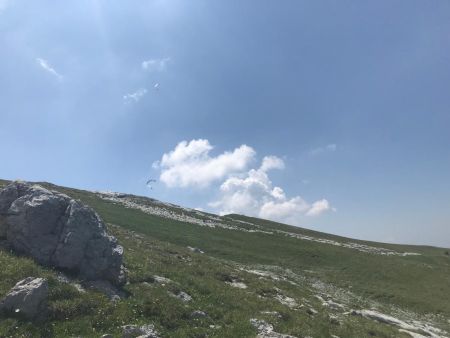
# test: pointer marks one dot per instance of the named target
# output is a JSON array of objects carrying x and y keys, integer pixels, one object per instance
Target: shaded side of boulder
[
  {"x": 58, "y": 231},
  {"x": 28, "y": 298}
]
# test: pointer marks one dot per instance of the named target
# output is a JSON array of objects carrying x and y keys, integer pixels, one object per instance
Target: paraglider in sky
[{"x": 149, "y": 183}]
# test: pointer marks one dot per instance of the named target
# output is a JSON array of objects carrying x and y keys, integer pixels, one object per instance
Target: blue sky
[{"x": 346, "y": 102}]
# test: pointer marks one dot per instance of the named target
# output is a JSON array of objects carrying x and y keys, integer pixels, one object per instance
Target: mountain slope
[{"x": 303, "y": 282}]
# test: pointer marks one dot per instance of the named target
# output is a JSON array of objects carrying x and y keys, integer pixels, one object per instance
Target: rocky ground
[{"x": 192, "y": 274}]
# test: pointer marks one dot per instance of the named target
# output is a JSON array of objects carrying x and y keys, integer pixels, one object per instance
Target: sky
[{"x": 330, "y": 115}]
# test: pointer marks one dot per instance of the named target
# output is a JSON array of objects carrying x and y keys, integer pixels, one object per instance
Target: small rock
[
  {"x": 311, "y": 311},
  {"x": 162, "y": 280},
  {"x": 265, "y": 330},
  {"x": 333, "y": 305},
  {"x": 271, "y": 313},
  {"x": 198, "y": 314},
  {"x": 144, "y": 331},
  {"x": 196, "y": 250},
  {"x": 27, "y": 298},
  {"x": 106, "y": 288},
  {"x": 131, "y": 331},
  {"x": 183, "y": 296},
  {"x": 216, "y": 327},
  {"x": 107, "y": 336},
  {"x": 285, "y": 300},
  {"x": 237, "y": 284},
  {"x": 334, "y": 320}
]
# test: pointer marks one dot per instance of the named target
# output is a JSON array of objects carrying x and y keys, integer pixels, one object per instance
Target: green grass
[{"x": 157, "y": 246}]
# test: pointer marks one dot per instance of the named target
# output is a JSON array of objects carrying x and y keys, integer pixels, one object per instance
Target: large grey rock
[
  {"x": 60, "y": 232},
  {"x": 27, "y": 298}
]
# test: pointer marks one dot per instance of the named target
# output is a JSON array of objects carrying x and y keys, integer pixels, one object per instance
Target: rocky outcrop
[
  {"x": 28, "y": 298},
  {"x": 60, "y": 232}
]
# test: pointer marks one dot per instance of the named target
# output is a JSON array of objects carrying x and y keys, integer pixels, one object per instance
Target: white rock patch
[
  {"x": 285, "y": 300},
  {"x": 237, "y": 284},
  {"x": 265, "y": 330},
  {"x": 409, "y": 328}
]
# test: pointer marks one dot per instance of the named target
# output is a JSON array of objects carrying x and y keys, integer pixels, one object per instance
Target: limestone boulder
[
  {"x": 28, "y": 298},
  {"x": 60, "y": 232}
]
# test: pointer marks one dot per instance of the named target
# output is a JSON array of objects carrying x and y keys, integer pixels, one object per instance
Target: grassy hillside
[{"x": 303, "y": 282}]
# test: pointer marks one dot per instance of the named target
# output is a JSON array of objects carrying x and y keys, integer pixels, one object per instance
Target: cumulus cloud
[
  {"x": 190, "y": 164},
  {"x": 155, "y": 65},
  {"x": 242, "y": 191},
  {"x": 136, "y": 96},
  {"x": 271, "y": 162},
  {"x": 255, "y": 195},
  {"x": 319, "y": 207},
  {"x": 328, "y": 148},
  {"x": 285, "y": 210},
  {"x": 48, "y": 68}
]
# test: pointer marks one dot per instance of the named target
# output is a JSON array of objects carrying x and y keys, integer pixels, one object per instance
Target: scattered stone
[
  {"x": 334, "y": 320},
  {"x": 271, "y": 313},
  {"x": 183, "y": 296},
  {"x": 106, "y": 288},
  {"x": 424, "y": 329},
  {"x": 413, "y": 334},
  {"x": 27, "y": 298},
  {"x": 162, "y": 280},
  {"x": 382, "y": 318},
  {"x": 144, "y": 331},
  {"x": 131, "y": 331},
  {"x": 237, "y": 284},
  {"x": 311, "y": 311},
  {"x": 198, "y": 314},
  {"x": 107, "y": 336},
  {"x": 196, "y": 250},
  {"x": 171, "y": 211},
  {"x": 265, "y": 330},
  {"x": 61, "y": 277},
  {"x": 60, "y": 232},
  {"x": 285, "y": 300},
  {"x": 333, "y": 305},
  {"x": 215, "y": 327},
  {"x": 349, "y": 245}
]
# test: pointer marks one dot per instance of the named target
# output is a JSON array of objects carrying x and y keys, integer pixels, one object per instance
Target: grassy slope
[{"x": 416, "y": 283}]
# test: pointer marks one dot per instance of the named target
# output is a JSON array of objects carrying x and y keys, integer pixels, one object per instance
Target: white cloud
[
  {"x": 319, "y": 207},
  {"x": 243, "y": 191},
  {"x": 254, "y": 194},
  {"x": 190, "y": 164},
  {"x": 48, "y": 68},
  {"x": 328, "y": 148},
  {"x": 271, "y": 162},
  {"x": 155, "y": 65},
  {"x": 136, "y": 96},
  {"x": 286, "y": 210}
]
